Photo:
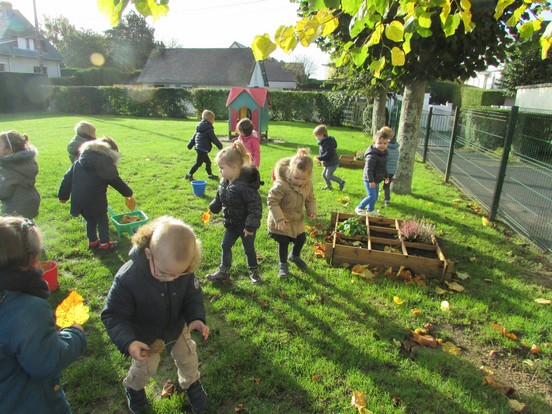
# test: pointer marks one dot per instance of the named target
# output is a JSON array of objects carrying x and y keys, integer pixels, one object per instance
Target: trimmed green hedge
[
  {"x": 21, "y": 92},
  {"x": 103, "y": 76},
  {"x": 465, "y": 96},
  {"x": 317, "y": 107}
]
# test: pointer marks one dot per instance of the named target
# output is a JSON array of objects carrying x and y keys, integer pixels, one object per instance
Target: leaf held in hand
[
  {"x": 71, "y": 311},
  {"x": 156, "y": 347},
  {"x": 205, "y": 217}
]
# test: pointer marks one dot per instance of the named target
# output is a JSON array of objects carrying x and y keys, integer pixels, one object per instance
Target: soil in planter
[
  {"x": 431, "y": 254},
  {"x": 384, "y": 235},
  {"x": 378, "y": 246}
]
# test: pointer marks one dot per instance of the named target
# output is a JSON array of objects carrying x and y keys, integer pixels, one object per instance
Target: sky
[{"x": 193, "y": 24}]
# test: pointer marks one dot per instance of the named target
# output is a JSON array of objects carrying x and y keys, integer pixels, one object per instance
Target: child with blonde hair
[
  {"x": 203, "y": 140},
  {"x": 86, "y": 184},
  {"x": 250, "y": 139},
  {"x": 239, "y": 199},
  {"x": 328, "y": 157},
  {"x": 291, "y": 192},
  {"x": 18, "y": 171},
  {"x": 34, "y": 352},
  {"x": 84, "y": 132},
  {"x": 392, "y": 160},
  {"x": 156, "y": 296}
]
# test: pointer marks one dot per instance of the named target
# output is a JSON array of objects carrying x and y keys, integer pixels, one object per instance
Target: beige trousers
[{"x": 185, "y": 358}]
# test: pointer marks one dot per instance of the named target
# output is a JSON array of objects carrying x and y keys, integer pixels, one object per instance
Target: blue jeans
[
  {"x": 371, "y": 198},
  {"x": 327, "y": 174},
  {"x": 229, "y": 239}
]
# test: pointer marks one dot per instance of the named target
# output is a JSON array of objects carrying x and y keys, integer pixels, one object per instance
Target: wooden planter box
[
  {"x": 382, "y": 232},
  {"x": 348, "y": 161}
]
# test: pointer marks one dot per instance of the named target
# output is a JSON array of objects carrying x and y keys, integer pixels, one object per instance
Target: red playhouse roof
[{"x": 259, "y": 95}]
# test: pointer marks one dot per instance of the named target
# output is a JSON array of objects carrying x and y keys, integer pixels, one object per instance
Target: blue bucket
[{"x": 199, "y": 187}]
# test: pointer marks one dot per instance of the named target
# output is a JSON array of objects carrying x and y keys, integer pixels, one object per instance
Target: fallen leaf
[
  {"x": 398, "y": 300},
  {"x": 257, "y": 380},
  {"x": 416, "y": 312},
  {"x": 389, "y": 272},
  {"x": 238, "y": 408},
  {"x": 455, "y": 286},
  {"x": 488, "y": 280},
  {"x": 528, "y": 362},
  {"x": 424, "y": 340},
  {"x": 486, "y": 370},
  {"x": 205, "y": 217},
  {"x": 215, "y": 298},
  {"x": 504, "y": 332},
  {"x": 391, "y": 249},
  {"x": 493, "y": 353},
  {"x": 542, "y": 301},
  {"x": 445, "y": 306},
  {"x": 168, "y": 389},
  {"x": 315, "y": 377},
  {"x": 397, "y": 343},
  {"x": 535, "y": 349},
  {"x": 359, "y": 402},
  {"x": 450, "y": 348},
  {"x": 497, "y": 385},
  {"x": 71, "y": 311},
  {"x": 264, "y": 304},
  {"x": 440, "y": 291},
  {"x": 358, "y": 269},
  {"x": 462, "y": 276},
  {"x": 484, "y": 221},
  {"x": 473, "y": 259},
  {"x": 421, "y": 331},
  {"x": 516, "y": 405},
  {"x": 319, "y": 249}
]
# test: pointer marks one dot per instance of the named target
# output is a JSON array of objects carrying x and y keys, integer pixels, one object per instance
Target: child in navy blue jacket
[
  {"x": 203, "y": 140},
  {"x": 328, "y": 157}
]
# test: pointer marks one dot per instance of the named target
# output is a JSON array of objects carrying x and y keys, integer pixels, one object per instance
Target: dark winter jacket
[
  {"x": 74, "y": 146},
  {"x": 240, "y": 201},
  {"x": 33, "y": 352},
  {"x": 141, "y": 308},
  {"x": 375, "y": 165},
  {"x": 392, "y": 156},
  {"x": 204, "y": 137},
  {"x": 328, "y": 154},
  {"x": 87, "y": 180},
  {"x": 18, "y": 172}
]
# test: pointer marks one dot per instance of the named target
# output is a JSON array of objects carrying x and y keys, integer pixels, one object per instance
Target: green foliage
[
  {"x": 212, "y": 99},
  {"x": 367, "y": 118},
  {"x": 485, "y": 127},
  {"x": 316, "y": 107},
  {"x": 354, "y": 226},
  {"x": 22, "y": 92},
  {"x": 474, "y": 97},
  {"x": 443, "y": 92},
  {"x": 102, "y": 76},
  {"x": 529, "y": 126}
]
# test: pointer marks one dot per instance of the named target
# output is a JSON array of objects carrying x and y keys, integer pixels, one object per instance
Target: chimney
[{"x": 6, "y": 8}]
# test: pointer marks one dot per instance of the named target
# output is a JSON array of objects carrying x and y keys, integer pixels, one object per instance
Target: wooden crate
[
  {"x": 348, "y": 161},
  {"x": 419, "y": 257}
]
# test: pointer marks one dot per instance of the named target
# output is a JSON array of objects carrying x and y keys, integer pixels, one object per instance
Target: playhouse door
[{"x": 245, "y": 112}]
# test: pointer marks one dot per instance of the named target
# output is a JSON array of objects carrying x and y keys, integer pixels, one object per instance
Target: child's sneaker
[
  {"x": 198, "y": 397},
  {"x": 386, "y": 203},
  {"x": 220, "y": 274},
  {"x": 373, "y": 213},
  {"x": 283, "y": 271},
  {"x": 107, "y": 247},
  {"x": 300, "y": 263},
  {"x": 255, "y": 276},
  {"x": 360, "y": 211},
  {"x": 326, "y": 188},
  {"x": 94, "y": 245},
  {"x": 213, "y": 177},
  {"x": 190, "y": 177},
  {"x": 137, "y": 401},
  {"x": 341, "y": 185}
]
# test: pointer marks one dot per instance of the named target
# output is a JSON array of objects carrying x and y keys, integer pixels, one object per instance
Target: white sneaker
[
  {"x": 360, "y": 211},
  {"x": 373, "y": 213}
]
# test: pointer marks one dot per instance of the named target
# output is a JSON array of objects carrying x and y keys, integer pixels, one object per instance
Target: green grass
[{"x": 304, "y": 344}]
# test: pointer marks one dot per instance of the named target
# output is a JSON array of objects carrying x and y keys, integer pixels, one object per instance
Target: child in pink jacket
[{"x": 250, "y": 139}]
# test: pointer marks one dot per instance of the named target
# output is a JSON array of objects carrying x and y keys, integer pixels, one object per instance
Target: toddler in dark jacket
[
  {"x": 375, "y": 171},
  {"x": 156, "y": 296},
  {"x": 86, "y": 184},
  {"x": 239, "y": 199},
  {"x": 203, "y": 140},
  {"x": 328, "y": 157}
]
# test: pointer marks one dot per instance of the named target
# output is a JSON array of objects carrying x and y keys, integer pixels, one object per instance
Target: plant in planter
[
  {"x": 417, "y": 231},
  {"x": 352, "y": 227}
]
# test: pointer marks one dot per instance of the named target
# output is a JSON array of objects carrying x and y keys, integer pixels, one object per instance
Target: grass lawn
[{"x": 305, "y": 344}]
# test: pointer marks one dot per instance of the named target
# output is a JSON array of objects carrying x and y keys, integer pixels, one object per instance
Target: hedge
[
  {"x": 465, "y": 96},
  {"x": 20, "y": 92},
  {"x": 103, "y": 76}
]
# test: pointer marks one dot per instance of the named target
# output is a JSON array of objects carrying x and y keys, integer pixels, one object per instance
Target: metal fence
[{"x": 501, "y": 158}]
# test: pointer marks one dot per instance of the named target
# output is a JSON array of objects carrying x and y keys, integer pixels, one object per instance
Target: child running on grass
[
  {"x": 239, "y": 199},
  {"x": 203, "y": 140},
  {"x": 84, "y": 132},
  {"x": 18, "y": 171},
  {"x": 392, "y": 159},
  {"x": 328, "y": 157},
  {"x": 291, "y": 192},
  {"x": 375, "y": 171},
  {"x": 86, "y": 184},
  {"x": 33, "y": 352},
  {"x": 156, "y": 296}
]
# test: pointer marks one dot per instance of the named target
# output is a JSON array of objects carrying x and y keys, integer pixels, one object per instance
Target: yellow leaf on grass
[
  {"x": 542, "y": 301},
  {"x": 359, "y": 402},
  {"x": 516, "y": 405},
  {"x": 504, "y": 332},
  {"x": 462, "y": 276},
  {"x": 398, "y": 300},
  {"x": 359, "y": 269},
  {"x": 416, "y": 311},
  {"x": 485, "y": 221},
  {"x": 440, "y": 291},
  {"x": 71, "y": 311},
  {"x": 450, "y": 348},
  {"x": 486, "y": 370},
  {"x": 445, "y": 306},
  {"x": 455, "y": 286},
  {"x": 205, "y": 217}
]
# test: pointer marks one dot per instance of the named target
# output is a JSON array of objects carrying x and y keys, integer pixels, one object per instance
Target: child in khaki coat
[{"x": 291, "y": 192}]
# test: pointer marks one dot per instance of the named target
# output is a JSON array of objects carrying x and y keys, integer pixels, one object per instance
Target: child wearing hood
[
  {"x": 86, "y": 184},
  {"x": 84, "y": 132},
  {"x": 239, "y": 199},
  {"x": 328, "y": 157},
  {"x": 18, "y": 171}
]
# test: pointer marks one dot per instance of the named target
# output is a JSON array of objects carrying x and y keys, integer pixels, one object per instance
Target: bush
[
  {"x": 104, "y": 76},
  {"x": 473, "y": 97},
  {"x": 485, "y": 127},
  {"x": 367, "y": 118},
  {"x": 533, "y": 136},
  {"x": 21, "y": 92},
  {"x": 212, "y": 99},
  {"x": 315, "y": 107},
  {"x": 443, "y": 92}
]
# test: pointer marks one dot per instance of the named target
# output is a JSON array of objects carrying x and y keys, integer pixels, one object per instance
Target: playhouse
[{"x": 249, "y": 103}]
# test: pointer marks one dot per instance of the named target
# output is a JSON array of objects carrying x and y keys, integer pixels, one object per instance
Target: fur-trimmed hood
[
  {"x": 23, "y": 162},
  {"x": 100, "y": 147},
  {"x": 281, "y": 170}
]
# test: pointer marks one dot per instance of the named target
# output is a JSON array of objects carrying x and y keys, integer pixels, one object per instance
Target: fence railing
[{"x": 503, "y": 159}]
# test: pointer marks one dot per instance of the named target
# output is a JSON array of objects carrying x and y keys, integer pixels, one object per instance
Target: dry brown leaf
[
  {"x": 168, "y": 389},
  {"x": 486, "y": 370},
  {"x": 238, "y": 408},
  {"x": 319, "y": 249},
  {"x": 257, "y": 380},
  {"x": 504, "y": 332},
  {"x": 389, "y": 273},
  {"x": 416, "y": 312},
  {"x": 315, "y": 377},
  {"x": 359, "y": 402},
  {"x": 156, "y": 347},
  {"x": 215, "y": 298},
  {"x": 535, "y": 349},
  {"x": 264, "y": 304},
  {"x": 455, "y": 286},
  {"x": 497, "y": 385},
  {"x": 424, "y": 340},
  {"x": 516, "y": 405}
]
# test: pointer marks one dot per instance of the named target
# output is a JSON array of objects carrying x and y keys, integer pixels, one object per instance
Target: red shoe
[
  {"x": 107, "y": 247},
  {"x": 94, "y": 245}
]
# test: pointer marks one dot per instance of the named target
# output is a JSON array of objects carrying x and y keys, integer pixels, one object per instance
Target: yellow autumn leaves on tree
[{"x": 71, "y": 311}]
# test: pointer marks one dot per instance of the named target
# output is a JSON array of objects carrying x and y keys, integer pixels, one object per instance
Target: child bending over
[
  {"x": 239, "y": 199},
  {"x": 291, "y": 193},
  {"x": 155, "y": 295},
  {"x": 84, "y": 132},
  {"x": 392, "y": 160},
  {"x": 203, "y": 140},
  {"x": 33, "y": 353}
]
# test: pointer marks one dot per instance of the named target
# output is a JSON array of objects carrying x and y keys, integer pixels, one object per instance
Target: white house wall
[
  {"x": 26, "y": 65},
  {"x": 280, "y": 86},
  {"x": 535, "y": 97}
]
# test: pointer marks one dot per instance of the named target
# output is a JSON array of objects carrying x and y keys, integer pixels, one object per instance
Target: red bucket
[{"x": 50, "y": 274}]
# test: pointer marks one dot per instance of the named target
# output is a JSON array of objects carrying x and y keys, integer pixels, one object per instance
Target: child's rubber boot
[
  {"x": 255, "y": 275},
  {"x": 300, "y": 263},
  {"x": 198, "y": 397},
  {"x": 222, "y": 273},
  {"x": 137, "y": 401},
  {"x": 283, "y": 270}
]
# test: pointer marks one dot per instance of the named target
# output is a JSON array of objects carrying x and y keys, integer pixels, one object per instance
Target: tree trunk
[
  {"x": 409, "y": 133},
  {"x": 378, "y": 112}
]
